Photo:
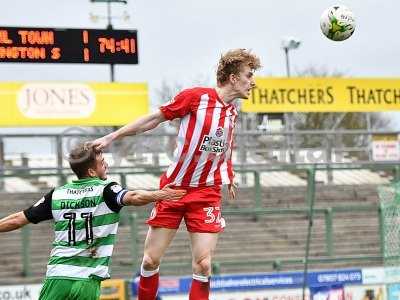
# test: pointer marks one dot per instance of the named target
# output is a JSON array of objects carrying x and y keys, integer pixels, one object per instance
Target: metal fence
[
  {"x": 252, "y": 147},
  {"x": 258, "y": 210}
]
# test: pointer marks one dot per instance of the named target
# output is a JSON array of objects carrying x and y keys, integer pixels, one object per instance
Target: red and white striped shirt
[{"x": 203, "y": 156}]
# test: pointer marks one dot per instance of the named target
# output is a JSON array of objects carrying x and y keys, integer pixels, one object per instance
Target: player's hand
[
  {"x": 101, "y": 143},
  {"x": 232, "y": 191},
  {"x": 170, "y": 194}
]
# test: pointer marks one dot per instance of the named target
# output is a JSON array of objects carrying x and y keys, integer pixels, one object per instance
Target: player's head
[
  {"x": 236, "y": 69},
  {"x": 85, "y": 161}
]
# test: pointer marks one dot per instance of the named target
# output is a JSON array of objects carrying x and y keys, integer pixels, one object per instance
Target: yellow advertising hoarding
[
  {"x": 72, "y": 103},
  {"x": 113, "y": 289},
  {"x": 323, "y": 95}
]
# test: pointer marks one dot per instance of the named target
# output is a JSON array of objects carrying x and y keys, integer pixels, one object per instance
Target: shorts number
[
  {"x": 211, "y": 218},
  {"x": 71, "y": 217}
]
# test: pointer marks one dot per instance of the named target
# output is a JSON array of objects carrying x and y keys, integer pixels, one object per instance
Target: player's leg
[
  {"x": 164, "y": 221},
  {"x": 157, "y": 241},
  {"x": 204, "y": 222},
  {"x": 203, "y": 246}
]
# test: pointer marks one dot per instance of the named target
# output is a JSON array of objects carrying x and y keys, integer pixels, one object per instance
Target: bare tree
[{"x": 167, "y": 91}]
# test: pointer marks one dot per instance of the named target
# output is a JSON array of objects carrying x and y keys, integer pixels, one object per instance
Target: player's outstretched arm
[
  {"x": 141, "y": 197},
  {"x": 140, "y": 125},
  {"x": 13, "y": 222}
]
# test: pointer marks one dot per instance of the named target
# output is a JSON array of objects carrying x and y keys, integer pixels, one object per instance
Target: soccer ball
[{"x": 337, "y": 23}]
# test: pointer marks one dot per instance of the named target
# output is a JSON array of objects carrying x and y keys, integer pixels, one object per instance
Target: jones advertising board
[{"x": 66, "y": 104}]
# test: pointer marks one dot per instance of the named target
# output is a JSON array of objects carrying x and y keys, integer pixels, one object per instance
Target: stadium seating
[{"x": 250, "y": 243}]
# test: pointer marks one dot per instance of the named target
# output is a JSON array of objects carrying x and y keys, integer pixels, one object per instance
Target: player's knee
[
  {"x": 150, "y": 263},
  {"x": 202, "y": 266}
]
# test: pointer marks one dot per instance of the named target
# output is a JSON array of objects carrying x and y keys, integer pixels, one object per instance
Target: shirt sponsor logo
[
  {"x": 80, "y": 191},
  {"x": 214, "y": 143}
]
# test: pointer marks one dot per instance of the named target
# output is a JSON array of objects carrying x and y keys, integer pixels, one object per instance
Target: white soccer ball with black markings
[{"x": 337, "y": 23}]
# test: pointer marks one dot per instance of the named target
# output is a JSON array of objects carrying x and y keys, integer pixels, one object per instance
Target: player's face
[
  {"x": 244, "y": 82},
  {"x": 101, "y": 167}
]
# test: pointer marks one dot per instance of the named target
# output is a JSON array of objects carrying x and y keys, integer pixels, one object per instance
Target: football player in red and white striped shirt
[{"x": 202, "y": 164}]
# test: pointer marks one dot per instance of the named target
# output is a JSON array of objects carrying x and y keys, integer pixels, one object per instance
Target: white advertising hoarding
[{"x": 20, "y": 292}]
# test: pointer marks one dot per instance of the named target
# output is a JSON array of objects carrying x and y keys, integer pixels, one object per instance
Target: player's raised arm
[
  {"x": 13, "y": 222},
  {"x": 140, "y": 125},
  {"x": 141, "y": 197}
]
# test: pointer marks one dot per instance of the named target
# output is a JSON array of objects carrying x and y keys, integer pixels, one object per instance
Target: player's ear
[
  {"x": 91, "y": 172},
  {"x": 232, "y": 78}
]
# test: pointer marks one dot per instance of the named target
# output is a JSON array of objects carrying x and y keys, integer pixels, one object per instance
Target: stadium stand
[
  {"x": 266, "y": 226},
  {"x": 273, "y": 240}
]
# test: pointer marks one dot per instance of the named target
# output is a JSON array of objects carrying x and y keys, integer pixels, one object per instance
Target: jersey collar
[{"x": 86, "y": 179}]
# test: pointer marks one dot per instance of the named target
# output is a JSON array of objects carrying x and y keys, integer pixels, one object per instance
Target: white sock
[
  {"x": 200, "y": 278},
  {"x": 145, "y": 273}
]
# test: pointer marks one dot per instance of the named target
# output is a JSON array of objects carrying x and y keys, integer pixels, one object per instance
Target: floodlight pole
[
  {"x": 109, "y": 23},
  {"x": 289, "y": 43},
  {"x": 289, "y": 116},
  {"x": 286, "y": 49},
  {"x": 110, "y": 26}
]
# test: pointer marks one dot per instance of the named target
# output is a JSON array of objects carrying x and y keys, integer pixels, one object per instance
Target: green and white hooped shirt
[{"x": 86, "y": 218}]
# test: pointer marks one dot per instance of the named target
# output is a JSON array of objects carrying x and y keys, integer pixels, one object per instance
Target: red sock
[
  {"x": 199, "y": 289},
  {"x": 148, "y": 287}
]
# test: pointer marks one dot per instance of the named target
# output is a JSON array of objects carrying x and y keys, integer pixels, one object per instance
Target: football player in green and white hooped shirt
[{"x": 86, "y": 217}]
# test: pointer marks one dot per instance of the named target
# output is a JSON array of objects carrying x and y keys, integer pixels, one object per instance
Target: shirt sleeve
[
  {"x": 41, "y": 210},
  {"x": 179, "y": 106},
  {"x": 113, "y": 194}
]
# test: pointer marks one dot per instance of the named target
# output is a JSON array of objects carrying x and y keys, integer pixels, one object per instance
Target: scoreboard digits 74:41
[{"x": 57, "y": 45}]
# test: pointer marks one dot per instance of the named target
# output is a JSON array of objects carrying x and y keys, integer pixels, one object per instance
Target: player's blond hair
[{"x": 232, "y": 62}]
